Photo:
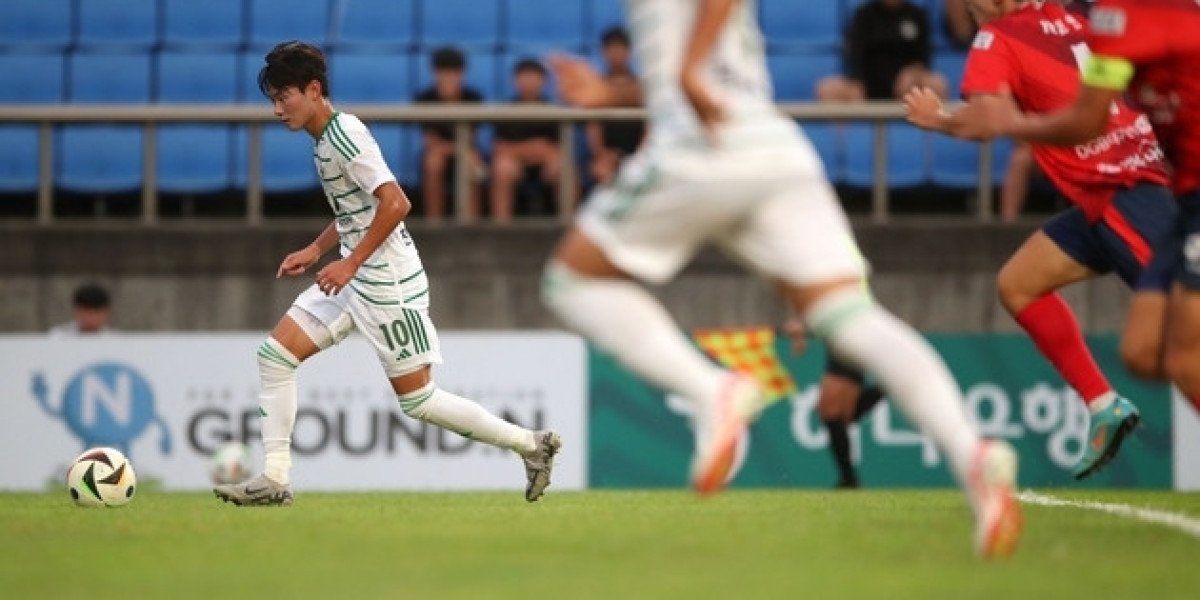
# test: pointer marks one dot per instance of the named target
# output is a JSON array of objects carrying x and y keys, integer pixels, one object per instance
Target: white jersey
[
  {"x": 351, "y": 168},
  {"x": 736, "y": 73}
]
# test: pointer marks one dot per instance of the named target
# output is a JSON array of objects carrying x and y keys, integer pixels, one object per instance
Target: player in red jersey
[
  {"x": 1147, "y": 51},
  {"x": 1116, "y": 182}
]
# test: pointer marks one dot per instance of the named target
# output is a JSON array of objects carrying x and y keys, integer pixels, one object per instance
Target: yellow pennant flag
[{"x": 751, "y": 351}]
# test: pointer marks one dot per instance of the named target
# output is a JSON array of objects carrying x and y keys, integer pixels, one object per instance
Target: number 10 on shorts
[{"x": 406, "y": 335}]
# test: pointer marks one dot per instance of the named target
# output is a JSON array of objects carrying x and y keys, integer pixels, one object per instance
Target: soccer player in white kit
[
  {"x": 378, "y": 287},
  {"x": 722, "y": 165}
]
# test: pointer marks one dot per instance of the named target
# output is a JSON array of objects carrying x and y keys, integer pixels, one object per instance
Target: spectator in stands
[
  {"x": 523, "y": 150},
  {"x": 437, "y": 159},
  {"x": 610, "y": 142},
  {"x": 959, "y": 27},
  {"x": 91, "y": 309},
  {"x": 887, "y": 49}
]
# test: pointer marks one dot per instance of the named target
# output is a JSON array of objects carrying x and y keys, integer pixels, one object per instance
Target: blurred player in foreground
[
  {"x": 722, "y": 165},
  {"x": 1116, "y": 182},
  {"x": 377, "y": 286},
  {"x": 1148, "y": 52},
  {"x": 844, "y": 399}
]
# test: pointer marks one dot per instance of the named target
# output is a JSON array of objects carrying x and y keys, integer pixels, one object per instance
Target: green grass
[{"x": 659, "y": 544}]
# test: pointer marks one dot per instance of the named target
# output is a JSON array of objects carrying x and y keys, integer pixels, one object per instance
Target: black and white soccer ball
[{"x": 101, "y": 477}]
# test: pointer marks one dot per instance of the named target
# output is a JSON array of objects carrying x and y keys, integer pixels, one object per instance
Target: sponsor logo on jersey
[
  {"x": 1108, "y": 20},
  {"x": 983, "y": 40}
]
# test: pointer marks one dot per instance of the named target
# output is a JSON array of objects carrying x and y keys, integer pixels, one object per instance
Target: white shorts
[
  {"x": 389, "y": 308},
  {"x": 772, "y": 209}
]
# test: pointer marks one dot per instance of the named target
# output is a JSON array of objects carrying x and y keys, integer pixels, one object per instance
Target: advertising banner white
[
  {"x": 1186, "y": 434},
  {"x": 168, "y": 401}
]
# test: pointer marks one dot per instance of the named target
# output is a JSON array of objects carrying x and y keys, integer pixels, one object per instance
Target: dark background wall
[{"x": 220, "y": 276}]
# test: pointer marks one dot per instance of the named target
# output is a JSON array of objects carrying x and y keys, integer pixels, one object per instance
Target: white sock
[
  {"x": 277, "y": 407},
  {"x": 624, "y": 320},
  {"x": 1101, "y": 402},
  {"x": 466, "y": 418},
  {"x": 871, "y": 338}
]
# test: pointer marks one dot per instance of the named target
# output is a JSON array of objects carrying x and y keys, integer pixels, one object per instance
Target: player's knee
[
  {"x": 414, "y": 403},
  {"x": 275, "y": 361},
  {"x": 1180, "y": 365},
  {"x": 1009, "y": 292},
  {"x": 1142, "y": 357}
]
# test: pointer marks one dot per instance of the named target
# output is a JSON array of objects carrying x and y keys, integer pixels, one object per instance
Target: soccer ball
[
  {"x": 230, "y": 464},
  {"x": 101, "y": 477}
]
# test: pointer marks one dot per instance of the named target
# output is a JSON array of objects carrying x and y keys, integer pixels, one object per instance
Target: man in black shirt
[
  {"x": 887, "y": 49},
  {"x": 610, "y": 142},
  {"x": 522, "y": 149},
  {"x": 437, "y": 160}
]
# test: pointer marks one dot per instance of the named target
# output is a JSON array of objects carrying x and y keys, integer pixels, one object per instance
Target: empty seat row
[
  {"x": 261, "y": 23},
  {"x": 355, "y": 76}
]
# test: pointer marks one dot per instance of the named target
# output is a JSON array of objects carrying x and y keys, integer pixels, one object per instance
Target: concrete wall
[{"x": 936, "y": 274}]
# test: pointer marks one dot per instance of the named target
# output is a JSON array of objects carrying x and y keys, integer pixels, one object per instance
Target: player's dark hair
[
  {"x": 530, "y": 65},
  {"x": 293, "y": 64},
  {"x": 90, "y": 295},
  {"x": 449, "y": 59},
  {"x": 615, "y": 35}
]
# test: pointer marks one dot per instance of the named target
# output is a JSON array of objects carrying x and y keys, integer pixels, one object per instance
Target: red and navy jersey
[
  {"x": 1162, "y": 40},
  {"x": 1037, "y": 52}
]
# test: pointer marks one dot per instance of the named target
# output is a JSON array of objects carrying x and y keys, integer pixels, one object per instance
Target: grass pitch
[{"x": 652, "y": 544}]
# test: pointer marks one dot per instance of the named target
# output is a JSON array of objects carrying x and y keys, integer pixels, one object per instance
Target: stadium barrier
[
  {"x": 135, "y": 393},
  {"x": 152, "y": 115}
]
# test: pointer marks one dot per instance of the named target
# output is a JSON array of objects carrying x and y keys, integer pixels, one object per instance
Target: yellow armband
[{"x": 1108, "y": 72}]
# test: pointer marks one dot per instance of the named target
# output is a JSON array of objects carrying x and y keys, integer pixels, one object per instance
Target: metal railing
[{"x": 463, "y": 117}]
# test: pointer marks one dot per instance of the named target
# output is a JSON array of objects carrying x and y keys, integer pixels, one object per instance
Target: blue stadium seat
[
  {"x": 468, "y": 24},
  {"x": 249, "y": 63},
  {"x": 787, "y": 24},
  {"x": 825, "y": 138},
  {"x": 951, "y": 64},
  {"x": 215, "y": 24},
  {"x": 35, "y": 23},
  {"x": 956, "y": 162},
  {"x": 908, "y": 155},
  {"x": 109, "y": 77},
  {"x": 545, "y": 22},
  {"x": 193, "y": 159},
  {"x": 371, "y": 76},
  {"x": 287, "y": 160},
  {"x": 196, "y": 77},
  {"x": 31, "y": 78},
  {"x": 602, "y": 15},
  {"x": 18, "y": 158},
  {"x": 274, "y": 21},
  {"x": 481, "y": 74},
  {"x": 99, "y": 159},
  {"x": 796, "y": 75},
  {"x": 118, "y": 23},
  {"x": 374, "y": 24}
]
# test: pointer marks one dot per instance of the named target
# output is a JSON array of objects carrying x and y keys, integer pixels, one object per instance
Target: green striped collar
[{"x": 325, "y": 129}]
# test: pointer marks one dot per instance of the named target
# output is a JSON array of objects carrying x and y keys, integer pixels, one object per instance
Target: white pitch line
[{"x": 1180, "y": 522}]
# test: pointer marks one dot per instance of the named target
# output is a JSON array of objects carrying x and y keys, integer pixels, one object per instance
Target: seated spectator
[
  {"x": 523, "y": 150},
  {"x": 90, "y": 310},
  {"x": 437, "y": 158},
  {"x": 887, "y": 51},
  {"x": 610, "y": 142},
  {"x": 959, "y": 26}
]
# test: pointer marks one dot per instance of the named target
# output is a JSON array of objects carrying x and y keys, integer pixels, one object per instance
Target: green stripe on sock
[
  {"x": 837, "y": 317},
  {"x": 408, "y": 405}
]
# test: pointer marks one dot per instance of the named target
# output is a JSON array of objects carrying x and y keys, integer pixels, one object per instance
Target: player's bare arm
[
  {"x": 709, "y": 23},
  {"x": 299, "y": 261},
  {"x": 925, "y": 110},
  {"x": 1083, "y": 121},
  {"x": 393, "y": 207},
  {"x": 580, "y": 85}
]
